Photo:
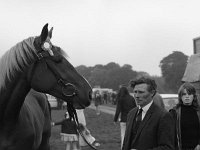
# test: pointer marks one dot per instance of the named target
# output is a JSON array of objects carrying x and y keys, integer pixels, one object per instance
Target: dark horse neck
[{"x": 12, "y": 100}]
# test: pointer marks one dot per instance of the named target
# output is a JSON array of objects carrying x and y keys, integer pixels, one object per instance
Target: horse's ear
[
  {"x": 44, "y": 33},
  {"x": 50, "y": 33}
]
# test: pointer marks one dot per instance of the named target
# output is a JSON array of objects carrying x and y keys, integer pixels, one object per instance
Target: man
[{"x": 149, "y": 127}]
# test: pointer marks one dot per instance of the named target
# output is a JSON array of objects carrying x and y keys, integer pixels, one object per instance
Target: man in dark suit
[{"x": 149, "y": 127}]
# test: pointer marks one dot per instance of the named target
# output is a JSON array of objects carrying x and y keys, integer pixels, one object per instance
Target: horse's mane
[{"x": 16, "y": 59}]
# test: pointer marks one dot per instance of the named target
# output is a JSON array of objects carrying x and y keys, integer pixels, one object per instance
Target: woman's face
[{"x": 187, "y": 98}]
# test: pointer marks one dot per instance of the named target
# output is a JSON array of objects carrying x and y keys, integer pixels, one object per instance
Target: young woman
[{"x": 187, "y": 119}]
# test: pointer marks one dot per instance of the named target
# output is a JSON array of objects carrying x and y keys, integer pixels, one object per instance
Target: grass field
[{"x": 101, "y": 127}]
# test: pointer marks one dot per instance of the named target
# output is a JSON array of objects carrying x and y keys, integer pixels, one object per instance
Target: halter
[{"x": 68, "y": 89}]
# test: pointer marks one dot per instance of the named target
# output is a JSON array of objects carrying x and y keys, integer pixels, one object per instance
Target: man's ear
[{"x": 153, "y": 93}]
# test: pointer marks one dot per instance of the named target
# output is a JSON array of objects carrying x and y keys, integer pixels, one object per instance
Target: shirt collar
[{"x": 146, "y": 108}]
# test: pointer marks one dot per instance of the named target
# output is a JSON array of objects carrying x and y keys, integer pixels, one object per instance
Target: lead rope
[{"x": 73, "y": 115}]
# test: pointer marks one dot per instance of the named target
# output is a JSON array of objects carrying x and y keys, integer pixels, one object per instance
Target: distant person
[
  {"x": 158, "y": 100},
  {"x": 113, "y": 96},
  {"x": 187, "y": 119},
  {"x": 148, "y": 125},
  {"x": 60, "y": 103},
  {"x": 69, "y": 133},
  {"x": 97, "y": 102},
  {"x": 105, "y": 97},
  {"x": 109, "y": 98},
  {"x": 64, "y": 105},
  {"x": 125, "y": 102}
]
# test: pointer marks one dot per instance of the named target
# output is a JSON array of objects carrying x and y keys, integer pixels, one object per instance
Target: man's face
[{"x": 142, "y": 95}]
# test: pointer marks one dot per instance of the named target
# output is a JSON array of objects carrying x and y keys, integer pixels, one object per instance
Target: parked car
[
  {"x": 53, "y": 101},
  {"x": 170, "y": 100}
]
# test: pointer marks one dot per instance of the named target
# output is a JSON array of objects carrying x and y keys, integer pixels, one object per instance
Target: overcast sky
[{"x": 136, "y": 32}]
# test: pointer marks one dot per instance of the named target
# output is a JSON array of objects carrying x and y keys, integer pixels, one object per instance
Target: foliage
[
  {"x": 108, "y": 76},
  {"x": 112, "y": 75},
  {"x": 85, "y": 71},
  {"x": 172, "y": 68},
  {"x": 161, "y": 88}
]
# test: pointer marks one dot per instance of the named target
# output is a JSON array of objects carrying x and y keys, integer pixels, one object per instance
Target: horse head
[{"x": 52, "y": 73}]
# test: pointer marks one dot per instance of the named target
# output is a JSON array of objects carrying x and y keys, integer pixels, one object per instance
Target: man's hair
[{"x": 150, "y": 82}]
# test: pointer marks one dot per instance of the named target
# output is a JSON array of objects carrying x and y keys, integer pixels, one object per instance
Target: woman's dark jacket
[
  {"x": 124, "y": 105},
  {"x": 176, "y": 113}
]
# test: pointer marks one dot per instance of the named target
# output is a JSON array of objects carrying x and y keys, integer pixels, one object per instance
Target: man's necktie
[
  {"x": 138, "y": 119},
  {"x": 136, "y": 124}
]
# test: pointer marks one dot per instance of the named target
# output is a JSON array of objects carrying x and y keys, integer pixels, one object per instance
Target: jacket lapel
[
  {"x": 144, "y": 121},
  {"x": 129, "y": 128}
]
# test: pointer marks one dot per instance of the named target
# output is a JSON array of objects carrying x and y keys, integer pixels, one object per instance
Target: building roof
[{"x": 192, "y": 71}]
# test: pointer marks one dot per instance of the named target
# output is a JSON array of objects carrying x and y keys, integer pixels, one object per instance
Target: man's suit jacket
[{"x": 156, "y": 131}]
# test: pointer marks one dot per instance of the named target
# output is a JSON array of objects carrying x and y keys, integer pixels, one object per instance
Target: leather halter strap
[{"x": 44, "y": 54}]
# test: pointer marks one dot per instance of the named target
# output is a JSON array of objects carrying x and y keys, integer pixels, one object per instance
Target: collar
[{"x": 146, "y": 108}]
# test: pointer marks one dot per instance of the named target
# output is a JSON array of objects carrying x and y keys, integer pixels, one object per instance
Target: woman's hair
[
  {"x": 190, "y": 90},
  {"x": 123, "y": 91}
]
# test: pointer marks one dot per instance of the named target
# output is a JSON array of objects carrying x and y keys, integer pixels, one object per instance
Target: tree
[
  {"x": 172, "y": 68},
  {"x": 84, "y": 71},
  {"x": 161, "y": 87},
  {"x": 118, "y": 76},
  {"x": 98, "y": 76},
  {"x": 108, "y": 76},
  {"x": 111, "y": 66}
]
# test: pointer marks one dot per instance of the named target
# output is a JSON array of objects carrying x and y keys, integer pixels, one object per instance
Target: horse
[{"x": 30, "y": 68}]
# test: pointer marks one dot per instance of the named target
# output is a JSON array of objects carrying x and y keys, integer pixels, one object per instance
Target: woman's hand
[
  {"x": 52, "y": 124},
  {"x": 114, "y": 122}
]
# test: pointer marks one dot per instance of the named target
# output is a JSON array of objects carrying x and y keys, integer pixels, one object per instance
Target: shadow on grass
[{"x": 101, "y": 127}]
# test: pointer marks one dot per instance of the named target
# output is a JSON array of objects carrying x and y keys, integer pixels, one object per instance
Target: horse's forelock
[
  {"x": 61, "y": 51},
  {"x": 64, "y": 53},
  {"x": 16, "y": 59}
]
